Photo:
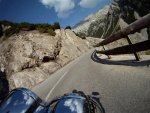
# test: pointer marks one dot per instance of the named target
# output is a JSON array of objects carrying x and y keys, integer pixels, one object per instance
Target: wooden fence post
[
  {"x": 144, "y": 22},
  {"x": 109, "y": 57},
  {"x": 135, "y": 54}
]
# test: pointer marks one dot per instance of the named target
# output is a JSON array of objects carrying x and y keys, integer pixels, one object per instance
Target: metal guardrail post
[{"x": 135, "y": 54}]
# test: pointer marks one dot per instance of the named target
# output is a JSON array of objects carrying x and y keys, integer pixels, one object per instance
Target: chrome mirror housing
[{"x": 22, "y": 100}]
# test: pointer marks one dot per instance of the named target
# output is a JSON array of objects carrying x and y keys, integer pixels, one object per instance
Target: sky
[{"x": 66, "y": 12}]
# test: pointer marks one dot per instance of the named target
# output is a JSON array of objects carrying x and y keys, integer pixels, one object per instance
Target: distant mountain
[{"x": 114, "y": 17}]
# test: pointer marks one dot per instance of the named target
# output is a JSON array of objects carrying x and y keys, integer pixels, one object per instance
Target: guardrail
[{"x": 142, "y": 23}]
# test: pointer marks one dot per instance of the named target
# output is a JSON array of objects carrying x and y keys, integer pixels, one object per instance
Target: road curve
[{"x": 124, "y": 86}]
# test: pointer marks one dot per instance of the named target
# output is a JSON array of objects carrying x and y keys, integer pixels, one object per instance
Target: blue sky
[{"x": 67, "y": 12}]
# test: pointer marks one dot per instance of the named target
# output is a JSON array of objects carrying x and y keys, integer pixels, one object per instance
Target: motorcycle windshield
[
  {"x": 21, "y": 101},
  {"x": 70, "y": 105}
]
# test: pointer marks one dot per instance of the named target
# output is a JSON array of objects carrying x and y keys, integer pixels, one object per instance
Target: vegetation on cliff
[{"x": 9, "y": 28}]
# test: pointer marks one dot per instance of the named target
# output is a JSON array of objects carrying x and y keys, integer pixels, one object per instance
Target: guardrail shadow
[{"x": 135, "y": 63}]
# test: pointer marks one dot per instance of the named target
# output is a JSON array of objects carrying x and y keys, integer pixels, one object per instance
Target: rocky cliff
[
  {"x": 113, "y": 17},
  {"x": 29, "y": 57}
]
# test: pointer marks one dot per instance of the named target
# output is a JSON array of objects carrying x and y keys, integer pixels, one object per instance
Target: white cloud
[
  {"x": 63, "y": 8},
  {"x": 89, "y": 3}
]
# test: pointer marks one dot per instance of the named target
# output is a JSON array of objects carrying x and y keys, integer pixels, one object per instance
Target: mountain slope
[{"x": 113, "y": 17}]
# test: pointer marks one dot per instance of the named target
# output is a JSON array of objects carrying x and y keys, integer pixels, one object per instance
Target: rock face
[
  {"x": 113, "y": 17},
  {"x": 30, "y": 57},
  {"x": 91, "y": 24}
]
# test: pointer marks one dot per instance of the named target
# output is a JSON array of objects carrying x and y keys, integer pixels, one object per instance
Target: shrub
[
  {"x": 42, "y": 30},
  {"x": 81, "y": 35},
  {"x": 46, "y": 29},
  {"x": 26, "y": 26},
  {"x": 11, "y": 31},
  {"x": 42, "y": 26},
  {"x": 6, "y": 23},
  {"x": 56, "y": 25},
  {"x": 15, "y": 28},
  {"x": 68, "y": 27},
  {"x": 51, "y": 32}
]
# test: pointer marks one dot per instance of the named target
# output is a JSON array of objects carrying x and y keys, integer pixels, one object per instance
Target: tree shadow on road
[{"x": 135, "y": 63}]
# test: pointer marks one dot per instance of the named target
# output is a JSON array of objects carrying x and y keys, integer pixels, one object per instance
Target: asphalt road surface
[{"x": 124, "y": 85}]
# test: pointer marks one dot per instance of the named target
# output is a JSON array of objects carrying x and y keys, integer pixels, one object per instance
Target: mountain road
[{"x": 123, "y": 84}]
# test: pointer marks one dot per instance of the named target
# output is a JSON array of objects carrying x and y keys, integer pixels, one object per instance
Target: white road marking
[{"x": 55, "y": 86}]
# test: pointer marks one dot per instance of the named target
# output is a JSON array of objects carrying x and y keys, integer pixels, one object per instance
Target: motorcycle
[{"x": 22, "y": 100}]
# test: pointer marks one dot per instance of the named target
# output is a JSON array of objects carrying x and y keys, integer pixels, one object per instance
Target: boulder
[{"x": 30, "y": 57}]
